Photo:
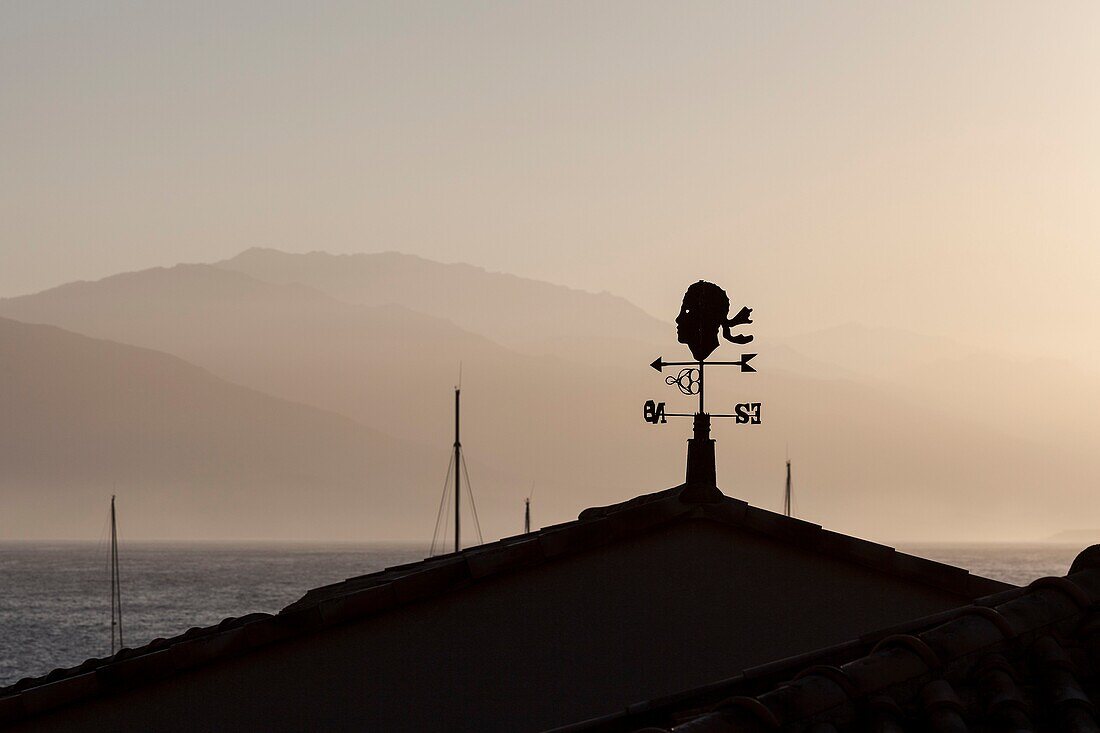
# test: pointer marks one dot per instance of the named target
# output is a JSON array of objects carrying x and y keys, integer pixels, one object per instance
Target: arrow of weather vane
[
  {"x": 659, "y": 364},
  {"x": 704, "y": 312}
]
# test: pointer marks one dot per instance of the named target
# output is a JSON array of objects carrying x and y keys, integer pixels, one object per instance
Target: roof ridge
[{"x": 373, "y": 593}]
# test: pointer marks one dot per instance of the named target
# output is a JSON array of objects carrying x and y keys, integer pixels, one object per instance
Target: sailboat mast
[
  {"x": 527, "y": 515},
  {"x": 458, "y": 472},
  {"x": 787, "y": 495},
  {"x": 116, "y": 592}
]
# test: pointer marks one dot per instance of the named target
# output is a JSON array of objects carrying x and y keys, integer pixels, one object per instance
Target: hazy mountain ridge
[
  {"x": 1076, "y": 536},
  {"x": 521, "y": 313},
  {"x": 155, "y": 303},
  {"x": 386, "y": 366},
  {"x": 874, "y": 454},
  {"x": 1041, "y": 400},
  {"x": 288, "y": 340},
  {"x": 190, "y": 455}
]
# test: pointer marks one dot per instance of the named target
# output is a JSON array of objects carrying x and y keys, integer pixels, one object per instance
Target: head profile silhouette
[{"x": 705, "y": 310}]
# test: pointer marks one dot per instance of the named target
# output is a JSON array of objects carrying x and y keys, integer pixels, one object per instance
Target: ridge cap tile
[
  {"x": 962, "y": 636},
  {"x": 1037, "y": 609},
  {"x": 835, "y": 674},
  {"x": 1089, "y": 583},
  {"x": 885, "y": 668},
  {"x": 805, "y": 697},
  {"x": 1063, "y": 585},
  {"x": 940, "y": 694}
]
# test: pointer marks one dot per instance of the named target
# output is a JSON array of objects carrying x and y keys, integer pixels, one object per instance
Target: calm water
[
  {"x": 1018, "y": 564},
  {"x": 55, "y": 603},
  {"x": 55, "y": 598}
]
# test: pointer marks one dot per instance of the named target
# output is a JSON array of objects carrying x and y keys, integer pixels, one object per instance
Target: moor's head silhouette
[{"x": 705, "y": 309}]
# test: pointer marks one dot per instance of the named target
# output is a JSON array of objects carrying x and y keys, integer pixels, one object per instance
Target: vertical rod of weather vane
[
  {"x": 458, "y": 473},
  {"x": 701, "y": 408}
]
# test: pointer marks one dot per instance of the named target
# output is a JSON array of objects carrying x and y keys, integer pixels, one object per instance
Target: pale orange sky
[{"x": 930, "y": 166}]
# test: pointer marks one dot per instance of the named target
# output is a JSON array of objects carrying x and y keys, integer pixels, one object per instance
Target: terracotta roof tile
[{"x": 1021, "y": 660}]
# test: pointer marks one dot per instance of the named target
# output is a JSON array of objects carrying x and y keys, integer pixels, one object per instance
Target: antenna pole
[
  {"x": 112, "y": 562},
  {"x": 458, "y": 459},
  {"x": 787, "y": 495},
  {"x": 527, "y": 515},
  {"x": 116, "y": 592}
]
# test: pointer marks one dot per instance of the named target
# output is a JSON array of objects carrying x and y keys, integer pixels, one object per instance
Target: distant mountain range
[
  {"x": 191, "y": 455},
  {"x": 893, "y": 435},
  {"x": 522, "y": 314},
  {"x": 1084, "y": 537}
]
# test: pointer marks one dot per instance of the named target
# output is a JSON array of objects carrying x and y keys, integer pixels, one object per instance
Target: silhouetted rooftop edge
[
  {"x": 1022, "y": 659},
  {"x": 387, "y": 589}
]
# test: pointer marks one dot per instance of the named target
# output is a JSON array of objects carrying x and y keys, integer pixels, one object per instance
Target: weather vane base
[{"x": 701, "y": 479}]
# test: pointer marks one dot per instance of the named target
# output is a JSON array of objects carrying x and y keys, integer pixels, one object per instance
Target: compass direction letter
[{"x": 654, "y": 412}]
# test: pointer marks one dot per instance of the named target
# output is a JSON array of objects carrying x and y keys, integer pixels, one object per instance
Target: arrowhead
[
  {"x": 657, "y": 364},
  {"x": 745, "y": 366}
]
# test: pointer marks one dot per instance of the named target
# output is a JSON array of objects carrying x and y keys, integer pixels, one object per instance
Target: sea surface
[
  {"x": 55, "y": 602},
  {"x": 55, "y": 597}
]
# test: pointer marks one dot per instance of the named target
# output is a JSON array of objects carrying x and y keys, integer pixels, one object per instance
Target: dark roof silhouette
[
  {"x": 1025, "y": 659},
  {"x": 367, "y": 595}
]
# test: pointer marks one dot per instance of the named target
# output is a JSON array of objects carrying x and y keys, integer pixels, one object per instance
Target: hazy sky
[{"x": 932, "y": 166}]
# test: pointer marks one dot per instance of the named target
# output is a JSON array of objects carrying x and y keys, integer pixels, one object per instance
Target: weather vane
[{"x": 704, "y": 312}]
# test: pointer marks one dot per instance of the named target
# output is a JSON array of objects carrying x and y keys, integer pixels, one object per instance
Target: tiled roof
[
  {"x": 363, "y": 596},
  {"x": 1022, "y": 660}
]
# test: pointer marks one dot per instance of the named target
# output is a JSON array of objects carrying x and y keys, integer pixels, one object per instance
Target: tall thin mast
[
  {"x": 458, "y": 464},
  {"x": 787, "y": 495},
  {"x": 116, "y": 592},
  {"x": 527, "y": 515}
]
